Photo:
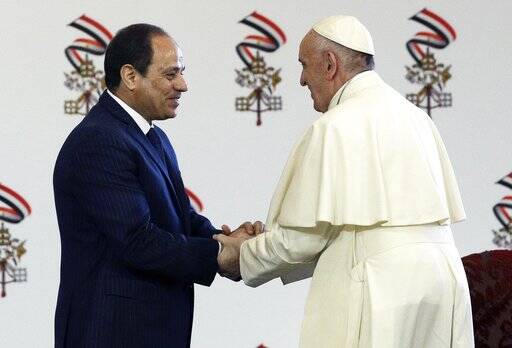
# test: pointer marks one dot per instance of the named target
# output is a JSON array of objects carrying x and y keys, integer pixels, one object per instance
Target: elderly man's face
[
  {"x": 312, "y": 73},
  {"x": 158, "y": 92}
]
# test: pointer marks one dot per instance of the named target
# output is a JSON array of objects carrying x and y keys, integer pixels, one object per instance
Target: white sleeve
[{"x": 283, "y": 251}]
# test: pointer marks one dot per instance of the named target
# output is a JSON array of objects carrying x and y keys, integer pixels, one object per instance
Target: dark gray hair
[{"x": 352, "y": 61}]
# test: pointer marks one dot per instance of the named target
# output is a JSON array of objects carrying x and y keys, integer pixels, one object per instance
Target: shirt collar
[{"x": 139, "y": 120}]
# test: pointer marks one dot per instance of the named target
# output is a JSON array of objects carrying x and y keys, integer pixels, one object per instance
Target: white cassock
[{"x": 364, "y": 206}]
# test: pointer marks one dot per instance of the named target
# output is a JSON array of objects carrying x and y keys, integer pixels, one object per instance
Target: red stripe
[
  {"x": 260, "y": 38},
  {"x": 418, "y": 49},
  {"x": 504, "y": 212},
  {"x": 271, "y": 24},
  {"x": 193, "y": 197},
  {"x": 248, "y": 52},
  {"x": 510, "y": 175},
  {"x": 508, "y": 198},
  {"x": 77, "y": 55},
  {"x": 431, "y": 35},
  {"x": 17, "y": 196},
  {"x": 442, "y": 21},
  {"x": 97, "y": 25},
  {"x": 9, "y": 211},
  {"x": 90, "y": 42}
]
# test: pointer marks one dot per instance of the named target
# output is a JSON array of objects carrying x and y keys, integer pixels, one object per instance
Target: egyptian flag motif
[
  {"x": 439, "y": 34},
  {"x": 13, "y": 207},
  {"x": 95, "y": 44},
  {"x": 269, "y": 39}
]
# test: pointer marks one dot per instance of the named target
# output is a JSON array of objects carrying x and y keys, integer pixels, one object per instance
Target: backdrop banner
[{"x": 236, "y": 125}]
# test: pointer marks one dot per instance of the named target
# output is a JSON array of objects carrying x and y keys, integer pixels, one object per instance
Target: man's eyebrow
[{"x": 173, "y": 69}]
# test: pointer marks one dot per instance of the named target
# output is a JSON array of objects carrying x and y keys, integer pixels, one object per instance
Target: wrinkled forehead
[
  {"x": 166, "y": 52},
  {"x": 179, "y": 55},
  {"x": 306, "y": 45}
]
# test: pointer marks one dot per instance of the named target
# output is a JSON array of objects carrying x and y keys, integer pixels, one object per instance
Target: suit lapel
[
  {"x": 181, "y": 194},
  {"x": 136, "y": 133},
  {"x": 172, "y": 167},
  {"x": 139, "y": 137}
]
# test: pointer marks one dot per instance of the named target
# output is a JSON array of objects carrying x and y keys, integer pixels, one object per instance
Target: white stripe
[
  {"x": 503, "y": 216},
  {"x": 246, "y": 56},
  {"x": 260, "y": 43},
  {"x": 93, "y": 29},
  {"x": 507, "y": 179},
  {"x": 10, "y": 215},
  {"x": 97, "y": 49},
  {"x": 416, "y": 50},
  {"x": 75, "y": 59},
  {"x": 16, "y": 202},
  {"x": 268, "y": 28},
  {"x": 422, "y": 37},
  {"x": 436, "y": 23}
]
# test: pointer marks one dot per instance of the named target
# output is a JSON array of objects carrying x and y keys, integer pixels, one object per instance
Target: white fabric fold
[
  {"x": 372, "y": 159},
  {"x": 287, "y": 253}
]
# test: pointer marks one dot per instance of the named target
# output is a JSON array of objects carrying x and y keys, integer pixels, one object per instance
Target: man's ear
[
  {"x": 129, "y": 76},
  {"x": 332, "y": 65}
]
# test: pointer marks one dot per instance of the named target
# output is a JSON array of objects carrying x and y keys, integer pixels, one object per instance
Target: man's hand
[
  {"x": 229, "y": 257},
  {"x": 247, "y": 228}
]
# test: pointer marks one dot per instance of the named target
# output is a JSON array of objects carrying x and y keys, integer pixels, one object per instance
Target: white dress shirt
[{"x": 143, "y": 124}]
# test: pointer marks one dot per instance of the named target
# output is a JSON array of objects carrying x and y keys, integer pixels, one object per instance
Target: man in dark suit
[{"x": 132, "y": 247}]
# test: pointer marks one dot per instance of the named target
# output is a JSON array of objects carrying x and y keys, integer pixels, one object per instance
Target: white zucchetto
[{"x": 347, "y": 31}]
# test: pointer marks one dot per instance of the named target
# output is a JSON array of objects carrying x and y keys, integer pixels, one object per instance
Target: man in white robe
[{"x": 363, "y": 206}]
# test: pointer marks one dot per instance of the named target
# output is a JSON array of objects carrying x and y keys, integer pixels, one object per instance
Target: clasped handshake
[{"x": 231, "y": 242}]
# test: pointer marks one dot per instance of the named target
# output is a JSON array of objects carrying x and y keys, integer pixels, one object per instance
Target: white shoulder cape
[{"x": 373, "y": 158}]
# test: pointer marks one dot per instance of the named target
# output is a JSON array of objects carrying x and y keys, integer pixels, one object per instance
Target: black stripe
[
  {"x": 68, "y": 56},
  {"x": 504, "y": 183},
  {"x": 495, "y": 211},
  {"x": 89, "y": 32},
  {"x": 432, "y": 27},
  {"x": 13, "y": 206},
  {"x": 261, "y": 30},
  {"x": 423, "y": 42},
  {"x": 242, "y": 57}
]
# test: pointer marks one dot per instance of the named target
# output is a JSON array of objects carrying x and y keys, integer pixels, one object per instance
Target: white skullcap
[{"x": 347, "y": 31}]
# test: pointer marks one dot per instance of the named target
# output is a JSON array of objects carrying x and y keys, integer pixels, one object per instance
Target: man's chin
[
  {"x": 165, "y": 116},
  {"x": 320, "y": 108},
  {"x": 170, "y": 114}
]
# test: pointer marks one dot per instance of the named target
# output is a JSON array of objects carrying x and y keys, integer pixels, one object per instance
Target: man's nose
[
  {"x": 181, "y": 84},
  {"x": 302, "y": 80}
]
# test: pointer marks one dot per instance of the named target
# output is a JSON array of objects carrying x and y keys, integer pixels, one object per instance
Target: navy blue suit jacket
[{"x": 132, "y": 247}]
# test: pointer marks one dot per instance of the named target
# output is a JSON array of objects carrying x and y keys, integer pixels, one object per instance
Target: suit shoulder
[
  {"x": 98, "y": 129},
  {"x": 98, "y": 125}
]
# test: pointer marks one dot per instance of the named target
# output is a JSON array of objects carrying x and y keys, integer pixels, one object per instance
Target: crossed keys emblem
[
  {"x": 503, "y": 212},
  {"x": 89, "y": 82},
  {"x": 263, "y": 81},
  {"x": 11, "y": 251},
  {"x": 437, "y": 34},
  {"x": 433, "y": 76},
  {"x": 85, "y": 78},
  {"x": 255, "y": 74}
]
